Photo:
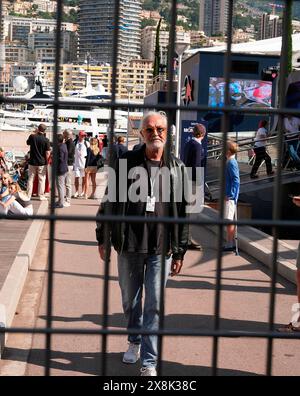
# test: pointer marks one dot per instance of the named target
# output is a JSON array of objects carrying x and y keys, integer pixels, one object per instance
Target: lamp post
[
  {"x": 180, "y": 48},
  {"x": 129, "y": 88}
]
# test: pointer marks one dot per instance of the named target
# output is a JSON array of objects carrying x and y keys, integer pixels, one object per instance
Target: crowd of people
[{"x": 77, "y": 156}]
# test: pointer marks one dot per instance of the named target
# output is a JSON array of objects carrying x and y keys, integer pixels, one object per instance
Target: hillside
[{"x": 246, "y": 12}]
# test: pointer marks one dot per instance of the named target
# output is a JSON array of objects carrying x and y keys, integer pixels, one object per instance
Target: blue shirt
[
  {"x": 2, "y": 190},
  {"x": 232, "y": 176}
]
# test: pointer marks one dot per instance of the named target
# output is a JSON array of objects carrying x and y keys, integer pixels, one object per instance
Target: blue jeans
[{"x": 136, "y": 270}]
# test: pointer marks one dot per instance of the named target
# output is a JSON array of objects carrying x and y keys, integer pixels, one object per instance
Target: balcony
[{"x": 160, "y": 83}]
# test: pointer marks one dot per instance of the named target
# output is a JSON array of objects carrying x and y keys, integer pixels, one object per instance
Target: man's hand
[
  {"x": 296, "y": 200},
  {"x": 176, "y": 267},
  {"x": 101, "y": 252}
]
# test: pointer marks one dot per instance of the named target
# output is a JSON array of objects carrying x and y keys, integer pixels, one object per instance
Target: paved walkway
[
  {"x": 77, "y": 302},
  {"x": 12, "y": 234}
]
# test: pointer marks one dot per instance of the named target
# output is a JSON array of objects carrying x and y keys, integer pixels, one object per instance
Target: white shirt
[
  {"x": 198, "y": 140},
  {"x": 80, "y": 154},
  {"x": 291, "y": 124},
  {"x": 260, "y": 134}
]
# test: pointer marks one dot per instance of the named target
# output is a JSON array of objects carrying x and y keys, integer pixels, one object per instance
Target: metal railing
[{"x": 170, "y": 107}]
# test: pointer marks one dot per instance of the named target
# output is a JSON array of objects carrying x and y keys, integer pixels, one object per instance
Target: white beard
[{"x": 156, "y": 144}]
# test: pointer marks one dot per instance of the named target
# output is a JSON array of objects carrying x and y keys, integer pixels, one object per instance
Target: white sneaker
[
  {"x": 132, "y": 354},
  {"x": 148, "y": 372},
  {"x": 67, "y": 204},
  {"x": 81, "y": 195},
  {"x": 43, "y": 198},
  {"x": 76, "y": 194}
]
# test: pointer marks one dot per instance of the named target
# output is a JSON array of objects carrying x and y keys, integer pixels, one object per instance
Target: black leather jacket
[{"x": 178, "y": 232}]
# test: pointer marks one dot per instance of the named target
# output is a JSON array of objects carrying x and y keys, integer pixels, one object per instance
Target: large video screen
[{"x": 243, "y": 93}]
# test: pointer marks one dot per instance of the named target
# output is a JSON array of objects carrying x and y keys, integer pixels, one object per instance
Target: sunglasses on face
[{"x": 159, "y": 130}]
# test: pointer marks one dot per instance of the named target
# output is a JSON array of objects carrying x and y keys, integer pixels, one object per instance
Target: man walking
[
  {"x": 71, "y": 152},
  {"x": 39, "y": 155},
  {"x": 140, "y": 246},
  {"x": 193, "y": 157}
]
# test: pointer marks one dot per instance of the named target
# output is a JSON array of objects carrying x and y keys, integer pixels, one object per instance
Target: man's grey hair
[
  {"x": 68, "y": 132},
  {"x": 154, "y": 113}
]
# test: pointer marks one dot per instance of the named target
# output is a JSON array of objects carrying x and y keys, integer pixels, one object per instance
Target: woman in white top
[
  {"x": 260, "y": 150},
  {"x": 17, "y": 201}
]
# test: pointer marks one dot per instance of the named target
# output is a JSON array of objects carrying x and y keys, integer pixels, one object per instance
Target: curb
[
  {"x": 249, "y": 242},
  {"x": 13, "y": 286}
]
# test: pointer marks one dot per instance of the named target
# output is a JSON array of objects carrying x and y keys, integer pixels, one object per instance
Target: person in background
[
  {"x": 232, "y": 178},
  {"x": 81, "y": 146},
  {"x": 291, "y": 126},
  {"x": 193, "y": 157},
  {"x": 71, "y": 152},
  {"x": 100, "y": 142},
  {"x": 17, "y": 201},
  {"x": 61, "y": 171},
  {"x": 260, "y": 150},
  {"x": 93, "y": 155},
  {"x": 104, "y": 147},
  {"x": 118, "y": 149},
  {"x": 4, "y": 190},
  {"x": 39, "y": 155},
  {"x": 3, "y": 165}
]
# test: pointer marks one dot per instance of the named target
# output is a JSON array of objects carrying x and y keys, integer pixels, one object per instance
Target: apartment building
[
  {"x": 213, "y": 16},
  {"x": 96, "y": 30},
  {"x": 149, "y": 41}
]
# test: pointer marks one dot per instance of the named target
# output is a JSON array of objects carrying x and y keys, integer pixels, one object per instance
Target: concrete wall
[{"x": 14, "y": 141}]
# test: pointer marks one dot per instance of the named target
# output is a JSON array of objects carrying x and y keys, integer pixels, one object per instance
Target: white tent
[{"x": 266, "y": 47}]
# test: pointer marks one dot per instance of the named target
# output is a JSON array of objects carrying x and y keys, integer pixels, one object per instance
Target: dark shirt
[
  {"x": 105, "y": 142},
  {"x": 193, "y": 156},
  {"x": 62, "y": 163},
  {"x": 120, "y": 149},
  {"x": 39, "y": 144},
  {"x": 146, "y": 237},
  {"x": 71, "y": 151},
  {"x": 137, "y": 146},
  {"x": 117, "y": 151},
  {"x": 91, "y": 158}
]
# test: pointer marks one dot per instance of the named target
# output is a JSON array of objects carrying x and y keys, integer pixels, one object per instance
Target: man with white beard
[{"x": 140, "y": 246}]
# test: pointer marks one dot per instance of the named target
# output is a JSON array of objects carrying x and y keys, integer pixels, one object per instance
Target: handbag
[{"x": 100, "y": 162}]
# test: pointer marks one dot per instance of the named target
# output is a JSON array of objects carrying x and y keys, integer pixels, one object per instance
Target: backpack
[{"x": 85, "y": 143}]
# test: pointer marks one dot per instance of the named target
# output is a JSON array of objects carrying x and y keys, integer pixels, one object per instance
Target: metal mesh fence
[{"x": 170, "y": 108}]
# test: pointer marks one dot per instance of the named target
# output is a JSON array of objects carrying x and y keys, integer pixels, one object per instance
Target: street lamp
[
  {"x": 180, "y": 48},
  {"x": 129, "y": 88}
]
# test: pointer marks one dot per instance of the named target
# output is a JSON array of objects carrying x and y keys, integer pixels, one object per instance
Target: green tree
[{"x": 148, "y": 22}]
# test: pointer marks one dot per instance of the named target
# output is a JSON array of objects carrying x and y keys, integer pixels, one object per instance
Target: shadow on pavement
[
  {"x": 90, "y": 363},
  {"x": 173, "y": 321},
  {"x": 203, "y": 285}
]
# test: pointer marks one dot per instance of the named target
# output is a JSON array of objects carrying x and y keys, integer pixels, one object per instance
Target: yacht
[{"x": 75, "y": 116}]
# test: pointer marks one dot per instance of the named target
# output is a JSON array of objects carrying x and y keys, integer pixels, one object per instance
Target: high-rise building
[
  {"x": 270, "y": 26},
  {"x": 148, "y": 41},
  {"x": 213, "y": 16},
  {"x": 96, "y": 30}
]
